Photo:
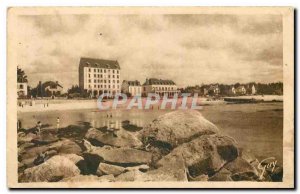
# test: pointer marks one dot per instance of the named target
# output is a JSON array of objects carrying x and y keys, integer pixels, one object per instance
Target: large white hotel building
[{"x": 99, "y": 76}]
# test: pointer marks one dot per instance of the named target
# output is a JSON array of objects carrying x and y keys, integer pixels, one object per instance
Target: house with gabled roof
[{"x": 160, "y": 86}]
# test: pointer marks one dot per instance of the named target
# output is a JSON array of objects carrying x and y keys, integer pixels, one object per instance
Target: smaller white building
[
  {"x": 253, "y": 90},
  {"x": 22, "y": 89},
  {"x": 133, "y": 88}
]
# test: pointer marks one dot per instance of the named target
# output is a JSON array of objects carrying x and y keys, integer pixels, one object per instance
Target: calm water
[{"x": 257, "y": 127}]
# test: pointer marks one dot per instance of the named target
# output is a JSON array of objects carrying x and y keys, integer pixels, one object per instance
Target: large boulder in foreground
[
  {"x": 204, "y": 155},
  {"x": 175, "y": 128},
  {"x": 54, "y": 169},
  {"x": 120, "y": 138}
]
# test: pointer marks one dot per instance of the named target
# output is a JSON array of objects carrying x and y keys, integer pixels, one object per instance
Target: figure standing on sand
[
  {"x": 38, "y": 128},
  {"x": 57, "y": 123}
]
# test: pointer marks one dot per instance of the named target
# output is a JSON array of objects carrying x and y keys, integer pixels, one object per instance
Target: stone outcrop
[
  {"x": 205, "y": 154},
  {"x": 119, "y": 138},
  {"x": 174, "y": 128},
  {"x": 178, "y": 146},
  {"x": 123, "y": 156},
  {"x": 106, "y": 169},
  {"x": 54, "y": 169}
]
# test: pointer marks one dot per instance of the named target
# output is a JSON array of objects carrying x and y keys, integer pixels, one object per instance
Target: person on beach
[
  {"x": 57, "y": 123},
  {"x": 38, "y": 128}
]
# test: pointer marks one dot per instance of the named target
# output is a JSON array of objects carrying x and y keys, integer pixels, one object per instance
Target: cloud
[{"x": 189, "y": 49}]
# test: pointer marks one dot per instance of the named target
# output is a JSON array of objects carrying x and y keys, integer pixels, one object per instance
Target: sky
[{"x": 188, "y": 49}]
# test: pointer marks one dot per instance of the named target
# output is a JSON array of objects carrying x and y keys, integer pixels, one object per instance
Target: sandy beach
[{"x": 72, "y": 104}]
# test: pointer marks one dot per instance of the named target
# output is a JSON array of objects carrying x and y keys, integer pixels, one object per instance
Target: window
[
  {"x": 108, "y": 86},
  {"x": 117, "y": 81},
  {"x": 113, "y": 71},
  {"x": 89, "y": 86},
  {"x": 101, "y": 76},
  {"x": 89, "y": 69},
  {"x": 117, "y": 71},
  {"x": 117, "y": 76},
  {"x": 89, "y": 81},
  {"x": 98, "y": 70},
  {"x": 113, "y": 81},
  {"x": 94, "y": 70},
  {"x": 108, "y": 76},
  {"x": 89, "y": 75},
  {"x": 94, "y": 86},
  {"x": 105, "y": 81},
  {"x": 95, "y": 75},
  {"x": 95, "y": 81},
  {"x": 101, "y": 70},
  {"x": 104, "y": 70},
  {"x": 113, "y": 76},
  {"x": 109, "y": 81},
  {"x": 21, "y": 86}
]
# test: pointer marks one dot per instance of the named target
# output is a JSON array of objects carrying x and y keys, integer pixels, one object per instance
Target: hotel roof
[
  {"x": 98, "y": 63},
  {"x": 133, "y": 83},
  {"x": 155, "y": 81}
]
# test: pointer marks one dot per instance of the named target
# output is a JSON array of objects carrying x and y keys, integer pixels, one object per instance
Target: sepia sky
[{"x": 189, "y": 49}]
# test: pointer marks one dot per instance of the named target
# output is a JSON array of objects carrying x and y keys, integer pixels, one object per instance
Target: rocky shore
[{"x": 177, "y": 146}]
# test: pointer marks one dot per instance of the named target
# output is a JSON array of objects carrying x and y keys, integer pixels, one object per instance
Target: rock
[
  {"x": 142, "y": 168},
  {"x": 90, "y": 163},
  {"x": 241, "y": 170},
  {"x": 202, "y": 177},
  {"x": 31, "y": 154},
  {"x": 73, "y": 157},
  {"x": 175, "y": 128},
  {"x": 275, "y": 175},
  {"x": 44, "y": 156},
  {"x": 24, "y": 146},
  {"x": 38, "y": 154},
  {"x": 69, "y": 147},
  {"x": 204, "y": 155},
  {"x": 44, "y": 138},
  {"x": 109, "y": 169},
  {"x": 222, "y": 175},
  {"x": 133, "y": 175},
  {"x": 89, "y": 178},
  {"x": 22, "y": 137},
  {"x": 123, "y": 156},
  {"x": 120, "y": 138},
  {"x": 54, "y": 169},
  {"x": 172, "y": 170}
]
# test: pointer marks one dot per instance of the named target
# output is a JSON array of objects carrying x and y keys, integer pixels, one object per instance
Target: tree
[
  {"x": 76, "y": 91},
  {"x": 21, "y": 76}
]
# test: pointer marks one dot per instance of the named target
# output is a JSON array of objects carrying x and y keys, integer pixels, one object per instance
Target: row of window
[
  {"x": 162, "y": 88},
  {"x": 104, "y": 86},
  {"x": 101, "y": 76},
  {"x": 104, "y": 81},
  {"x": 103, "y": 70}
]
